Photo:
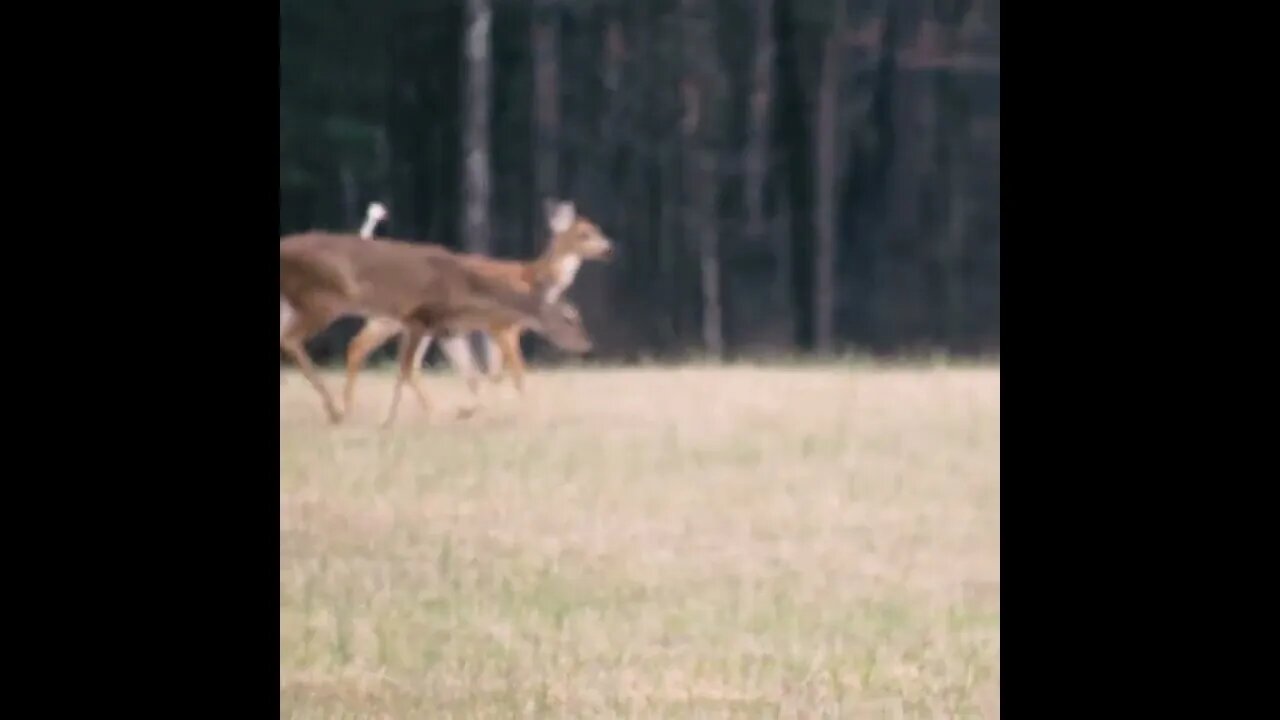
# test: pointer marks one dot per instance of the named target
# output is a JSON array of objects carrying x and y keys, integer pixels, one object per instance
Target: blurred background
[{"x": 781, "y": 176}]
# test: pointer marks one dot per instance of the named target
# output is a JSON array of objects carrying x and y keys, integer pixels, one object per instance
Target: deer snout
[
  {"x": 573, "y": 339},
  {"x": 602, "y": 248}
]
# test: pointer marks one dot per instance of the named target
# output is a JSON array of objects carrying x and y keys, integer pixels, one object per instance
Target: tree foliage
[{"x": 707, "y": 166}]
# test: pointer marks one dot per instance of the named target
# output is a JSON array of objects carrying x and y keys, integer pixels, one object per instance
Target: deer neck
[
  {"x": 558, "y": 271},
  {"x": 366, "y": 230}
]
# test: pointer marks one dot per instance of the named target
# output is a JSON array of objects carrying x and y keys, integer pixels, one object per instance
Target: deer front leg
[
  {"x": 458, "y": 350},
  {"x": 412, "y": 336},
  {"x": 375, "y": 332},
  {"x": 493, "y": 355},
  {"x": 415, "y": 377},
  {"x": 508, "y": 341}
]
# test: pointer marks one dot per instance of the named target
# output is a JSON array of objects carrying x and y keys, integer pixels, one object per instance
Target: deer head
[
  {"x": 564, "y": 328},
  {"x": 572, "y": 235}
]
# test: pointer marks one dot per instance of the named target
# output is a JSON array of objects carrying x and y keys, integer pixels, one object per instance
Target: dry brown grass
[{"x": 694, "y": 542}]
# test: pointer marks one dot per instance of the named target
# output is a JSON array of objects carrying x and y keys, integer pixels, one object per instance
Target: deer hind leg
[
  {"x": 457, "y": 347},
  {"x": 375, "y": 332},
  {"x": 408, "y": 344},
  {"x": 297, "y": 326}
]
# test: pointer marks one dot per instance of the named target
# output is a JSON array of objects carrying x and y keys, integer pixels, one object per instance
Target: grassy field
[{"x": 654, "y": 543}]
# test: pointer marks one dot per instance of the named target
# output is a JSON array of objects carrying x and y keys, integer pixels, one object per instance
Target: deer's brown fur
[
  {"x": 574, "y": 239},
  {"x": 423, "y": 288}
]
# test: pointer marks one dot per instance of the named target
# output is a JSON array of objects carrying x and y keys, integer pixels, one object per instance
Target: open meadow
[{"x": 796, "y": 542}]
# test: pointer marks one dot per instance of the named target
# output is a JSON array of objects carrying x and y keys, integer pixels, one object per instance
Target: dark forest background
[{"x": 781, "y": 176}]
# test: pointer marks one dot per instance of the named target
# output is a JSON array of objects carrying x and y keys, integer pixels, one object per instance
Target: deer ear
[{"x": 560, "y": 215}]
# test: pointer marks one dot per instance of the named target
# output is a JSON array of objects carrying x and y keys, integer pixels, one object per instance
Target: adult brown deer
[
  {"x": 454, "y": 346},
  {"x": 574, "y": 239},
  {"x": 426, "y": 289}
]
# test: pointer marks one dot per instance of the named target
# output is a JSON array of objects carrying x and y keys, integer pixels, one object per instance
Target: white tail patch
[{"x": 376, "y": 213}]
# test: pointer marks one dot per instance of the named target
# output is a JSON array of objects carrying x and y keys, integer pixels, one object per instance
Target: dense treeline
[{"x": 780, "y": 175}]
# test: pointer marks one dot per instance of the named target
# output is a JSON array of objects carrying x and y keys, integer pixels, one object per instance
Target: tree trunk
[
  {"x": 955, "y": 254},
  {"x": 476, "y": 200},
  {"x": 709, "y": 247},
  {"x": 826, "y": 164},
  {"x": 612, "y": 120},
  {"x": 699, "y": 93},
  {"x": 758, "y": 234},
  {"x": 757, "y": 152},
  {"x": 546, "y": 113}
]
